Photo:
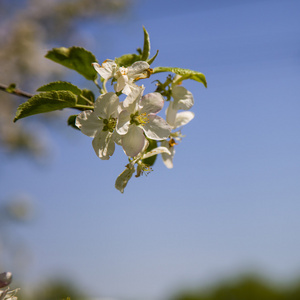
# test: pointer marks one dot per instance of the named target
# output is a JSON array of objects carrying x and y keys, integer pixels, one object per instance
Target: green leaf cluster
[{"x": 60, "y": 94}]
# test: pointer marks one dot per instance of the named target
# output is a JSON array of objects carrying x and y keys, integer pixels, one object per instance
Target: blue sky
[{"x": 231, "y": 203}]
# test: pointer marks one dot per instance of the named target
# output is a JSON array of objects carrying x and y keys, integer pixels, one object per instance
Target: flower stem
[
  {"x": 84, "y": 106},
  {"x": 97, "y": 85}
]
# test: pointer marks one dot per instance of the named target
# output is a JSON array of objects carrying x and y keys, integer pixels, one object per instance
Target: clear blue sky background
[{"x": 231, "y": 204}]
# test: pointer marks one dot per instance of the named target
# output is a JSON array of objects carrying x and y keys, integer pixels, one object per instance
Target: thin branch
[{"x": 14, "y": 91}]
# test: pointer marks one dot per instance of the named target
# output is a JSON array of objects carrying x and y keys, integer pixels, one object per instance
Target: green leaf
[
  {"x": 75, "y": 58},
  {"x": 46, "y": 102},
  {"x": 151, "y": 60},
  {"x": 72, "y": 120},
  {"x": 185, "y": 73},
  {"x": 84, "y": 97},
  {"x": 146, "y": 48},
  {"x": 150, "y": 160},
  {"x": 127, "y": 60},
  {"x": 60, "y": 86}
]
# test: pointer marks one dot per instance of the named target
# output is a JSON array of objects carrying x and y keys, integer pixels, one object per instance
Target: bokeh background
[{"x": 229, "y": 207}]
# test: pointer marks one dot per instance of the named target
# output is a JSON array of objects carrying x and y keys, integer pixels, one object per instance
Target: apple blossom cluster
[
  {"x": 133, "y": 123},
  {"x": 123, "y": 115}
]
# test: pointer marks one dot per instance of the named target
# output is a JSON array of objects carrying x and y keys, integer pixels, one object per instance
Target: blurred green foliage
[
  {"x": 54, "y": 290},
  {"x": 243, "y": 288},
  {"x": 246, "y": 288}
]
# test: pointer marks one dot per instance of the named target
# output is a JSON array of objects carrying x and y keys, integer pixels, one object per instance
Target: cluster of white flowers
[
  {"x": 134, "y": 123},
  {"x": 5, "y": 292}
]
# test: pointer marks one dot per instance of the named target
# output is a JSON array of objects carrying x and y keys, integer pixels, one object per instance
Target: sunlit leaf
[
  {"x": 60, "y": 86},
  {"x": 185, "y": 73},
  {"x": 151, "y": 60},
  {"x": 75, "y": 58},
  {"x": 46, "y": 102},
  {"x": 146, "y": 48}
]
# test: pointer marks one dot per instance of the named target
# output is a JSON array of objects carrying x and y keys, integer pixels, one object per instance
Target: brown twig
[{"x": 14, "y": 91}]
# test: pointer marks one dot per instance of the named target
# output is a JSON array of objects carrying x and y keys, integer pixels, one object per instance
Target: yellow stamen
[{"x": 142, "y": 119}]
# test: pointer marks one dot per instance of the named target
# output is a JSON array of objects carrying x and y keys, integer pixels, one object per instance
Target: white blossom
[
  {"x": 100, "y": 124},
  {"x": 183, "y": 99},
  {"x": 107, "y": 70},
  {"x": 140, "y": 119},
  {"x": 125, "y": 76}
]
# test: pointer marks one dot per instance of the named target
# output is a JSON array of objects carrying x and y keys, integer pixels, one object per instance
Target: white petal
[
  {"x": 168, "y": 158},
  {"x": 156, "y": 151},
  {"x": 177, "y": 78},
  {"x": 183, "y": 118},
  {"x": 151, "y": 103},
  {"x": 157, "y": 128},
  {"x": 183, "y": 99},
  {"x": 120, "y": 107},
  {"x": 123, "y": 122},
  {"x": 106, "y": 105},
  {"x": 123, "y": 178},
  {"x": 137, "y": 69},
  {"x": 133, "y": 142},
  {"x": 104, "y": 144},
  {"x": 121, "y": 82},
  {"x": 107, "y": 69},
  {"x": 117, "y": 138},
  {"x": 171, "y": 114},
  {"x": 88, "y": 123},
  {"x": 133, "y": 97},
  {"x": 129, "y": 87}
]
